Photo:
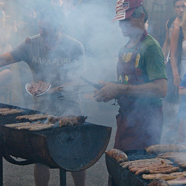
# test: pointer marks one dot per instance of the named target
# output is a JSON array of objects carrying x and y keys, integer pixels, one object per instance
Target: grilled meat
[
  {"x": 30, "y": 126},
  {"x": 118, "y": 155},
  {"x": 10, "y": 111},
  {"x": 70, "y": 121},
  {"x": 178, "y": 157},
  {"x": 38, "y": 88},
  {"x": 67, "y": 120},
  {"x": 159, "y": 167},
  {"x": 177, "y": 181},
  {"x": 4, "y": 109},
  {"x": 170, "y": 176},
  {"x": 165, "y": 148},
  {"x": 33, "y": 117},
  {"x": 144, "y": 162}
]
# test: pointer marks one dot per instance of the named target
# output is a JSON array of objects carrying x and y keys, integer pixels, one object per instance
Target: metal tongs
[{"x": 91, "y": 83}]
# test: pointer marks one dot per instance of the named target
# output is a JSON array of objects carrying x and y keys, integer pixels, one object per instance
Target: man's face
[
  {"x": 47, "y": 31},
  {"x": 129, "y": 26},
  {"x": 45, "y": 28},
  {"x": 179, "y": 8}
]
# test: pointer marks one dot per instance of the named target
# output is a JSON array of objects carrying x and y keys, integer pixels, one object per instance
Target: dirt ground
[{"x": 97, "y": 175}]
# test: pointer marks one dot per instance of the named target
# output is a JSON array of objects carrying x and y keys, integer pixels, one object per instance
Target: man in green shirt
[{"x": 142, "y": 81}]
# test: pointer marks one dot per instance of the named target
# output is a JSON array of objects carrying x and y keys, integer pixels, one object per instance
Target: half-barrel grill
[
  {"x": 119, "y": 176},
  {"x": 69, "y": 148}
]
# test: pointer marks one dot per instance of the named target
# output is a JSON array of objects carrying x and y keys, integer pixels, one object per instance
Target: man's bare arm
[
  {"x": 6, "y": 59},
  {"x": 154, "y": 89},
  {"x": 173, "y": 60},
  {"x": 166, "y": 45},
  {"x": 182, "y": 91},
  {"x": 73, "y": 85}
]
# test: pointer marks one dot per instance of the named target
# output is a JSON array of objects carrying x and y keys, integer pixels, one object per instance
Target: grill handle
[{"x": 13, "y": 161}]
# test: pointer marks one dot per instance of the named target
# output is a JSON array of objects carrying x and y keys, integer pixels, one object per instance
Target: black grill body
[
  {"x": 119, "y": 176},
  {"x": 69, "y": 148}
]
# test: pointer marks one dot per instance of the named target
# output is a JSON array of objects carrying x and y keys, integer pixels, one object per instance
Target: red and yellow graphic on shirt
[{"x": 125, "y": 59}]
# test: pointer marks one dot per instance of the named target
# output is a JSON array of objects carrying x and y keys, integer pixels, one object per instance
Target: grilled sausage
[
  {"x": 165, "y": 148},
  {"x": 118, "y": 155}
]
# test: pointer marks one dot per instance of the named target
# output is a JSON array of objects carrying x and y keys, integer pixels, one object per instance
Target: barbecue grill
[
  {"x": 69, "y": 148},
  {"x": 119, "y": 176}
]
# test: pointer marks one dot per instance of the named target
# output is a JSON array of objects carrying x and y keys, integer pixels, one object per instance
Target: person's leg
[
  {"x": 181, "y": 131},
  {"x": 79, "y": 178},
  {"x": 170, "y": 123},
  {"x": 41, "y": 175}
]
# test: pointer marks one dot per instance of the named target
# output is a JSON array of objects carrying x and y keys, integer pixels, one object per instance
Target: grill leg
[
  {"x": 1, "y": 169},
  {"x": 62, "y": 177},
  {"x": 110, "y": 180},
  {"x": 1, "y": 161}
]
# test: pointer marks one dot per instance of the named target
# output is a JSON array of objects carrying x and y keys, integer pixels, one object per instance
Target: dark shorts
[{"x": 139, "y": 128}]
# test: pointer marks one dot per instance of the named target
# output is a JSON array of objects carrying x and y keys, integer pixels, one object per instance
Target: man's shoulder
[
  {"x": 70, "y": 41},
  {"x": 35, "y": 37},
  {"x": 170, "y": 21},
  {"x": 150, "y": 41}
]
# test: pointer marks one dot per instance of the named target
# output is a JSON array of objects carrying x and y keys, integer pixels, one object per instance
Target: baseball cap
[{"x": 125, "y": 8}]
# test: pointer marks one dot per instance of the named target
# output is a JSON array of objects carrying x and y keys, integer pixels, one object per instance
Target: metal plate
[{"x": 29, "y": 85}]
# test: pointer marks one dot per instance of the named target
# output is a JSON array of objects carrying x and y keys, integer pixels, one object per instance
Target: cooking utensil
[{"x": 97, "y": 86}]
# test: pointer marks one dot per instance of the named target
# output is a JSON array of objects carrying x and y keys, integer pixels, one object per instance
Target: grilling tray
[{"x": 72, "y": 148}]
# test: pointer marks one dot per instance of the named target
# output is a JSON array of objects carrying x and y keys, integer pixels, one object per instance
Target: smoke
[
  {"x": 90, "y": 23},
  {"x": 103, "y": 41}
]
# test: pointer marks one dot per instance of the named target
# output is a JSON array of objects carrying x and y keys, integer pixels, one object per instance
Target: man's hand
[
  {"x": 27, "y": 40},
  {"x": 177, "y": 80},
  {"x": 177, "y": 83},
  {"x": 108, "y": 92}
]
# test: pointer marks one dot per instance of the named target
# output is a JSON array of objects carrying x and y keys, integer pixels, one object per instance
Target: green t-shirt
[{"x": 150, "y": 60}]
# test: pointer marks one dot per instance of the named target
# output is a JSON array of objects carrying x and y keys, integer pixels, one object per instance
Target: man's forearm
[
  {"x": 174, "y": 66},
  {"x": 165, "y": 50},
  {"x": 73, "y": 84},
  {"x": 6, "y": 59},
  {"x": 155, "y": 89}
]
